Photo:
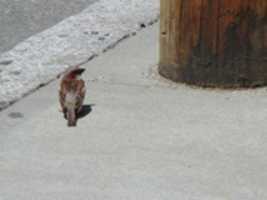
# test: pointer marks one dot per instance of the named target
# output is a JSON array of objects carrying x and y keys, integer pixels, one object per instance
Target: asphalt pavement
[
  {"x": 20, "y": 19},
  {"x": 140, "y": 137}
]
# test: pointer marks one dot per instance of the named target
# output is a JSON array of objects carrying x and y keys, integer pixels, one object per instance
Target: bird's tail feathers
[{"x": 71, "y": 117}]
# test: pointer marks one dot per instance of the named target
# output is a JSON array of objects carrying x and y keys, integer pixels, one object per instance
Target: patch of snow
[{"x": 42, "y": 57}]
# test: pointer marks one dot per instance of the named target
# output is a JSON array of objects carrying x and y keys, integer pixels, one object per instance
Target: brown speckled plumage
[{"x": 71, "y": 95}]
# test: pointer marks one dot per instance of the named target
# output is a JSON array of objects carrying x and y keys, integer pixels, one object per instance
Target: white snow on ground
[{"x": 42, "y": 57}]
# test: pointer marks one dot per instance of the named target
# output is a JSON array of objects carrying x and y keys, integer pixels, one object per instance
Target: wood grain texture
[{"x": 217, "y": 43}]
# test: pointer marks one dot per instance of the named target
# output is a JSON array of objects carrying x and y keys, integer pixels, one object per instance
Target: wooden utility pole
[{"x": 214, "y": 43}]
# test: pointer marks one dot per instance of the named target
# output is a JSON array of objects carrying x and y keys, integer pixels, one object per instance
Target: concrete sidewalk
[{"x": 143, "y": 139}]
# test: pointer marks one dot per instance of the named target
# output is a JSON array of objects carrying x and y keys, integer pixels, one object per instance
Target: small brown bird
[{"x": 71, "y": 94}]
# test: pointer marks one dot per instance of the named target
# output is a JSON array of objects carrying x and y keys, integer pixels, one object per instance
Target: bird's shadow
[{"x": 86, "y": 110}]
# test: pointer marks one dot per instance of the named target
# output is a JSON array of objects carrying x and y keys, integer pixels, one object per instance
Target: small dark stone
[
  {"x": 6, "y": 62},
  {"x": 15, "y": 115},
  {"x": 107, "y": 34},
  {"x": 94, "y": 32},
  {"x": 41, "y": 85},
  {"x": 142, "y": 25},
  {"x": 151, "y": 23},
  {"x": 101, "y": 38}
]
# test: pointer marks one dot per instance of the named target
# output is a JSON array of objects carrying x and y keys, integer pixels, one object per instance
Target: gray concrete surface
[
  {"x": 40, "y": 58},
  {"x": 145, "y": 138},
  {"x": 21, "y": 19}
]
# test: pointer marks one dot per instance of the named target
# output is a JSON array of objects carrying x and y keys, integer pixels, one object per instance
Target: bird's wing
[
  {"x": 81, "y": 90},
  {"x": 62, "y": 94}
]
